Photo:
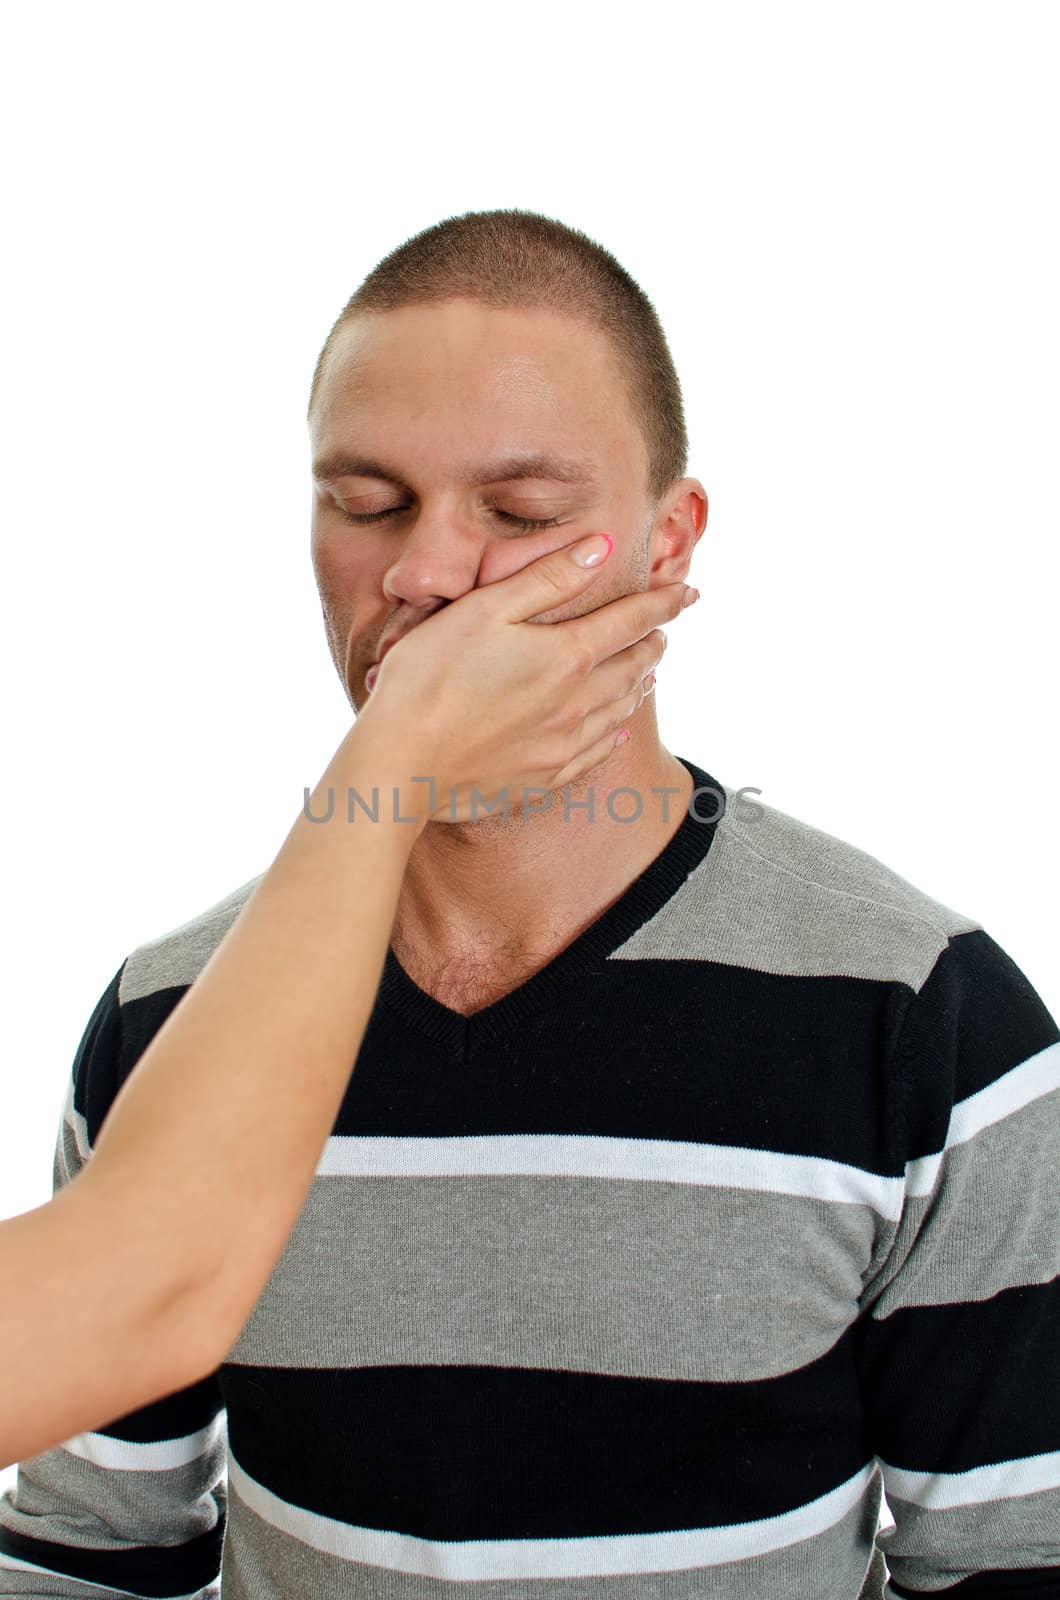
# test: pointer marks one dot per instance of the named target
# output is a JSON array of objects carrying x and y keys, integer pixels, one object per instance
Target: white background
[{"x": 846, "y": 220}]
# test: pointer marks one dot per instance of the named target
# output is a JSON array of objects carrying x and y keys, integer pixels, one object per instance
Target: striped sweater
[{"x": 645, "y": 1281}]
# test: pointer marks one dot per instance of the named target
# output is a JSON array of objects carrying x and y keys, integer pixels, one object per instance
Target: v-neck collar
[{"x": 639, "y": 901}]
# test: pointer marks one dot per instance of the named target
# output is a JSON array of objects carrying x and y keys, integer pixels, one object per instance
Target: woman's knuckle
[
  {"x": 567, "y": 719},
  {"x": 579, "y": 659}
]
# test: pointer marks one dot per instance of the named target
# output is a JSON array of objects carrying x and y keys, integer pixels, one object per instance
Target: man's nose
[
  {"x": 442, "y": 560},
  {"x": 436, "y": 563}
]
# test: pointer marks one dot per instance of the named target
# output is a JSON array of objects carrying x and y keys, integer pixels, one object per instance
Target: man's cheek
[{"x": 592, "y": 600}]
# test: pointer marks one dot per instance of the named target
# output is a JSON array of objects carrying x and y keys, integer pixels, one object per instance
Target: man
[{"x": 696, "y": 1176}]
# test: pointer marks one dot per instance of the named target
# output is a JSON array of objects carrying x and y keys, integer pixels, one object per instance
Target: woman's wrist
[{"x": 382, "y": 779}]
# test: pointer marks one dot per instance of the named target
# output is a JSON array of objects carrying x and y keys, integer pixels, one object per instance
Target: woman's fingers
[
  {"x": 556, "y": 579},
  {"x": 618, "y": 690},
  {"x": 622, "y": 674},
  {"x": 602, "y": 633},
  {"x": 550, "y": 581}
]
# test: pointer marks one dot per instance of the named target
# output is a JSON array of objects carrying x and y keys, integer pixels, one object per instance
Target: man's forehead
[
  {"x": 562, "y": 419},
  {"x": 529, "y": 350}
]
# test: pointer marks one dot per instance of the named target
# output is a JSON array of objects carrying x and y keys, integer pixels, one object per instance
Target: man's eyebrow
[{"x": 342, "y": 465}]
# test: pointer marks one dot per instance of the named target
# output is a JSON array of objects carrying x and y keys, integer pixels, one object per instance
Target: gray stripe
[
  {"x": 71, "y": 1149},
  {"x": 177, "y": 957},
  {"x": 773, "y": 894},
  {"x": 261, "y": 1563},
  {"x": 53, "y": 1490},
  {"x": 1000, "y": 1535},
  {"x": 993, "y": 1222},
  {"x": 710, "y": 1284}
]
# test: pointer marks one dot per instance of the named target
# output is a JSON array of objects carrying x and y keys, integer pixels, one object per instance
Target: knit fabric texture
[{"x": 646, "y": 1281}]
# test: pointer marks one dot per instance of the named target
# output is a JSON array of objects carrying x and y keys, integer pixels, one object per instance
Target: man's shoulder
[
  {"x": 778, "y": 894},
  {"x": 174, "y": 959},
  {"x": 786, "y": 844}
]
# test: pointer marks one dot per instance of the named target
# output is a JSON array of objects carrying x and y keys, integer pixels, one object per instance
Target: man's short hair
[{"x": 522, "y": 259}]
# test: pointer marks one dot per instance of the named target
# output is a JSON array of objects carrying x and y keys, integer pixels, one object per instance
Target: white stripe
[
  {"x": 1029, "y": 1081},
  {"x": 1002, "y": 1480},
  {"x": 76, "y": 1123},
  {"x": 1037, "y": 1076},
  {"x": 598, "y": 1556},
  {"x": 12, "y": 1564},
  {"x": 157, "y": 1455},
  {"x": 922, "y": 1175},
  {"x": 582, "y": 1155}
]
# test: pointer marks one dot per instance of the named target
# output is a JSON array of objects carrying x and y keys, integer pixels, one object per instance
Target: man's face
[{"x": 438, "y": 395}]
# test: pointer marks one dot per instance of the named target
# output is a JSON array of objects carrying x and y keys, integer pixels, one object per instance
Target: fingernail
[
  {"x": 649, "y": 683},
  {"x": 592, "y": 551},
  {"x": 691, "y": 596}
]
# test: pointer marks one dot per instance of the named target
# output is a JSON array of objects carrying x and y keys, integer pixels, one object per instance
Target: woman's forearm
[
  {"x": 136, "y": 1279},
  {"x": 233, "y": 1098}
]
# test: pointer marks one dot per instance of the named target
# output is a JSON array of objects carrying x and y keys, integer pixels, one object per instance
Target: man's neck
[{"x": 520, "y": 885}]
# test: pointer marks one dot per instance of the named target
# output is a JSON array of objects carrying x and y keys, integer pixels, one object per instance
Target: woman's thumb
[{"x": 553, "y": 578}]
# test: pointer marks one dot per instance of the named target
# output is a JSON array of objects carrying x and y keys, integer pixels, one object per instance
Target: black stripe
[
  {"x": 95, "y": 1067},
  {"x": 789, "y": 1064},
  {"x": 162, "y": 1571},
  {"x": 993, "y": 1365},
  {"x": 481, "y": 1452},
  {"x": 179, "y": 1414},
  {"x": 1034, "y": 1583},
  {"x": 141, "y": 1020},
  {"x": 975, "y": 1018}
]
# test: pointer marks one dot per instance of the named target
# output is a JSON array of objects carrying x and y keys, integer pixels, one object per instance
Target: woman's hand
[{"x": 478, "y": 696}]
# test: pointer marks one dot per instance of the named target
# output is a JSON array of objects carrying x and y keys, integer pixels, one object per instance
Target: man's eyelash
[{"x": 527, "y": 523}]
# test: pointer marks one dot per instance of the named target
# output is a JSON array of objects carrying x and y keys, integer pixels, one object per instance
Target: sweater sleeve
[
  {"x": 959, "y": 1335},
  {"x": 137, "y": 1508}
]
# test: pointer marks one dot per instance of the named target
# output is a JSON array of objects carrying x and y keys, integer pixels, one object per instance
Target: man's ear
[{"x": 679, "y": 525}]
